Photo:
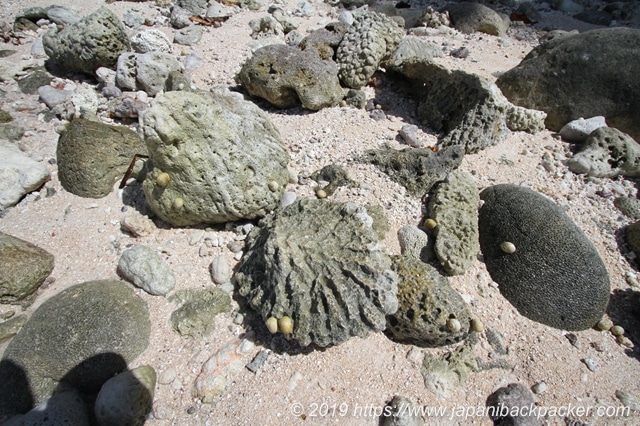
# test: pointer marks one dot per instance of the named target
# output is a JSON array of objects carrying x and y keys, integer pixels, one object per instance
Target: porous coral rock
[
  {"x": 370, "y": 40},
  {"x": 454, "y": 207},
  {"x": 286, "y": 76},
  {"x": 323, "y": 265},
  {"x": 426, "y": 302},
  {"x": 470, "y": 110},
  {"x": 607, "y": 152},
  {"x": 220, "y": 152}
]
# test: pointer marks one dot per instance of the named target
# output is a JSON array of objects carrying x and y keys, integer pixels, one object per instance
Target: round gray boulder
[
  {"x": 82, "y": 336},
  {"x": 23, "y": 268},
  {"x": 95, "y": 41},
  {"x": 215, "y": 158},
  {"x": 92, "y": 156},
  {"x": 599, "y": 76},
  {"x": 286, "y": 77},
  {"x": 555, "y": 276},
  {"x": 468, "y": 17},
  {"x": 323, "y": 265}
]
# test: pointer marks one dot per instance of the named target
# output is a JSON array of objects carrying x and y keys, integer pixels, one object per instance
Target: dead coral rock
[{"x": 321, "y": 264}]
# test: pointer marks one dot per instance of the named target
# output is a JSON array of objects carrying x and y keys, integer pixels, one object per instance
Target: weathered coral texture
[{"x": 323, "y": 265}]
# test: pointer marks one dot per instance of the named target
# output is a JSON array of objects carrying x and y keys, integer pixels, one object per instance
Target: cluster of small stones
[{"x": 370, "y": 39}]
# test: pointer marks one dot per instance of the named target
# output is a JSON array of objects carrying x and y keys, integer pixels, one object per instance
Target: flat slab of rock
[
  {"x": 543, "y": 262},
  {"x": 23, "y": 268},
  {"x": 585, "y": 61},
  {"x": 83, "y": 335}
]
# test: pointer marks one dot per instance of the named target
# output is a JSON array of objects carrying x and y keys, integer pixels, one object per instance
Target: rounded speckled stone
[{"x": 556, "y": 276}]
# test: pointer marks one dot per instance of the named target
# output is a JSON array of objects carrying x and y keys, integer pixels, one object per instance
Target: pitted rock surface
[
  {"x": 426, "y": 302},
  {"x": 468, "y": 17},
  {"x": 585, "y": 61},
  {"x": 371, "y": 39},
  {"x": 323, "y": 265},
  {"x": 286, "y": 77},
  {"x": 95, "y": 41},
  {"x": 224, "y": 158},
  {"x": 417, "y": 169},
  {"x": 470, "y": 110},
  {"x": 454, "y": 207},
  {"x": 555, "y": 276},
  {"x": 607, "y": 152}
]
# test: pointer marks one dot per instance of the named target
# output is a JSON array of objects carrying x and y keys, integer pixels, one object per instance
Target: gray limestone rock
[
  {"x": 62, "y": 16},
  {"x": 150, "y": 40},
  {"x": 515, "y": 397},
  {"x": 199, "y": 307},
  {"x": 95, "y": 41},
  {"x": 195, "y": 7},
  {"x": 323, "y": 265},
  {"x": 286, "y": 77},
  {"x": 401, "y": 412},
  {"x": 416, "y": 243},
  {"x": 428, "y": 307},
  {"x": 127, "y": 398},
  {"x": 468, "y": 109},
  {"x": 143, "y": 267},
  {"x": 220, "y": 270},
  {"x": 216, "y": 158},
  {"x": 607, "y": 152},
  {"x": 84, "y": 335},
  {"x": 632, "y": 237},
  {"x": 555, "y": 276},
  {"x": 53, "y": 97},
  {"x": 630, "y": 207},
  {"x": 370, "y": 40},
  {"x": 145, "y": 71},
  {"x": 468, "y": 17},
  {"x": 19, "y": 174},
  {"x": 63, "y": 408},
  {"x": 585, "y": 61},
  {"x": 92, "y": 156},
  {"x": 188, "y": 36},
  {"x": 578, "y": 130},
  {"x": 179, "y": 17},
  {"x": 23, "y": 268},
  {"x": 454, "y": 207},
  {"x": 417, "y": 169}
]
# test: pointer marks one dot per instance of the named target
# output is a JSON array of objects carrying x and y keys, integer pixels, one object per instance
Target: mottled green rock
[
  {"x": 5, "y": 117},
  {"x": 454, "y": 207},
  {"x": 30, "y": 83},
  {"x": 11, "y": 132},
  {"x": 629, "y": 207},
  {"x": 23, "y": 268},
  {"x": 96, "y": 41},
  {"x": 127, "y": 398},
  {"x": 323, "y": 265},
  {"x": 199, "y": 307},
  {"x": 92, "y": 156},
  {"x": 84, "y": 335},
  {"x": 335, "y": 175},
  {"x": 220, "y": 153},
  {"x": 417, "y": 169},
  {"x": 555, "y": 276},
  {"x": 11, "y": 327},
  {"x": 426, "y": 302}
]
